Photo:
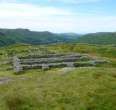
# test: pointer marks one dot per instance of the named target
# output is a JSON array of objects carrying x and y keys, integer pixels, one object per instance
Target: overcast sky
[{"x": 80, "y": 16}]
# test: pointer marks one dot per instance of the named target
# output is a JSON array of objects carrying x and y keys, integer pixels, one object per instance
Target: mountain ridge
[
  {"x": 98, "y": 38},
  {"x": 13, "y": 36},
  {"x": 19, "y": 35}
]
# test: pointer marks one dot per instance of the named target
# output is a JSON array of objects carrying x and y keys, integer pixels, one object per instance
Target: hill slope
[
  {"x": 83, "y": 88},
  {"x": 12, "y": 36},
  {"x": 99, "y": 38}
]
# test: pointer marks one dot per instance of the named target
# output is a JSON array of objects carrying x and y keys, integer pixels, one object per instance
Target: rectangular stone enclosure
[{"x": 50, "y": 61}]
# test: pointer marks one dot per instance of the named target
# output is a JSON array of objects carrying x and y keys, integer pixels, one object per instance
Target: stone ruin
[{"x": 53, "y": 61}]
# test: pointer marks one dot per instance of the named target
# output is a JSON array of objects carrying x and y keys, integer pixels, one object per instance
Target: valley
[
  {"x": 57, "y": 54},
  {"x": 26, "y": 36}
]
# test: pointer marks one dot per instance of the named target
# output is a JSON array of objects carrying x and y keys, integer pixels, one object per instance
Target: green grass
[
  {"x": 23, "y": 49},
  {"x": 80, "y": 89},
  {"x": 87, "y": 88},
  {"x": 100, "y": 50}
]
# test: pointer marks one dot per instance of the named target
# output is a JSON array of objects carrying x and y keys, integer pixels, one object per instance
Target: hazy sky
[{"x": 80, "y": 16}]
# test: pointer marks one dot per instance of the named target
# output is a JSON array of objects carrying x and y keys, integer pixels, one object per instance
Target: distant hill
[
  {"x": 13, "y": 36},
  {"x": 17, "y": 36},
  {"x": 98, "y": 38},
  {"x": 70, "y": 36}
]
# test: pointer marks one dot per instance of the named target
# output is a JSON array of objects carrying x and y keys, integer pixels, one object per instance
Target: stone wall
[{"x": 53, "y": 61}]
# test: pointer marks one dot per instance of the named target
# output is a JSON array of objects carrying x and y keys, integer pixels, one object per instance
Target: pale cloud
[
  {"x": 7, "y": 1},
  {"x": 14, "y": 9},
  {"x": 76, "y": 1},
  {"x": 13, "y": 15},
  {"x": 62, "y": 1}
]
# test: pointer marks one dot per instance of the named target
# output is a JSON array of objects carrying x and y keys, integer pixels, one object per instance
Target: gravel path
[
  {"x": 66, "y": 70},
  {"x": 5, "y": 80}
]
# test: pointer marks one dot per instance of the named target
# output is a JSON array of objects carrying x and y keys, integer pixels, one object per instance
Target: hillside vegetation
[
  {"x": 14, "y": 36},
  {"x": 79, "y": 89},
  {"x": 99, "y": 38},
  {"x": 83, "y": 88},
  {"x": 25, "y": 49}
]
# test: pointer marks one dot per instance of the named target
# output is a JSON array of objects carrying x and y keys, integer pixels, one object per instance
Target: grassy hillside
[
  {"x": 24, "y": 49},
  {"x": 13, "y": 36},
  {"x": 79, "y": 89},
  {"x": 99, "y": 38},
  {"x": 99, "y": 50},
  {"x": 83, "y": 88}
]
